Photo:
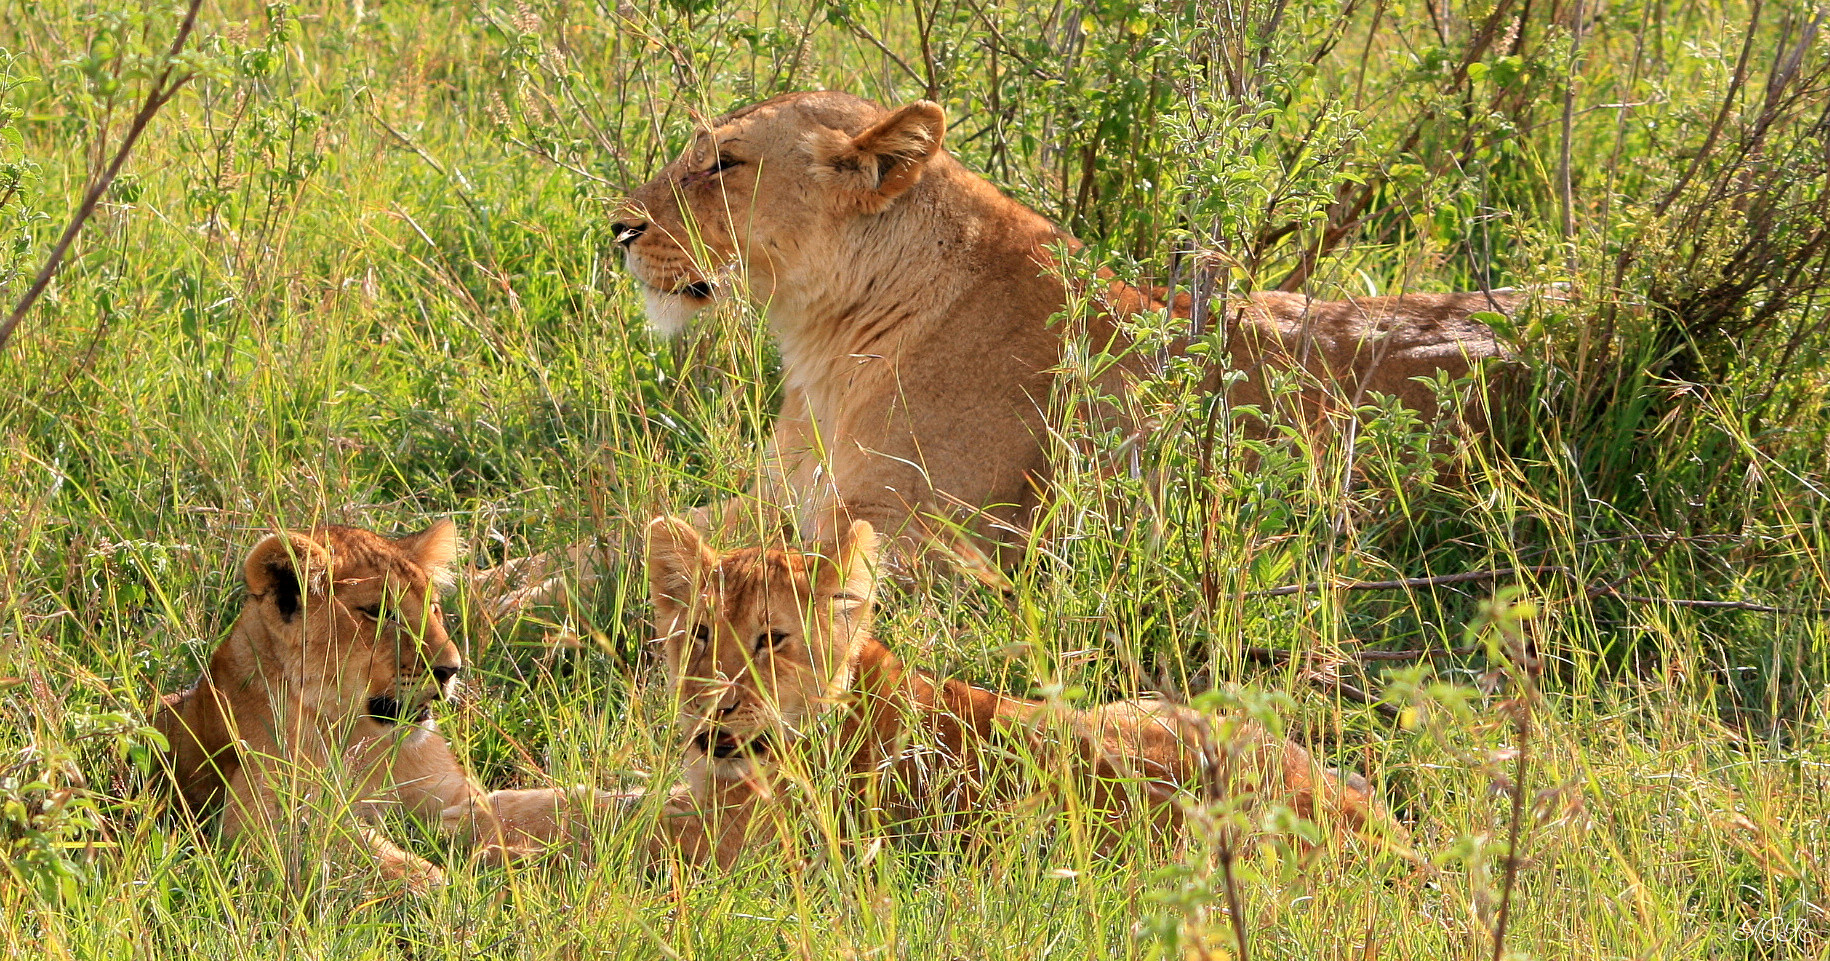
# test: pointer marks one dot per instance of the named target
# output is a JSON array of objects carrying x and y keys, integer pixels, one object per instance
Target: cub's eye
[
  {"x": 769, "y": 640},
  {"x": 702, "y": 633},
  {"x": 372, "y": 612},
  {"x": 724, "y": 163}
]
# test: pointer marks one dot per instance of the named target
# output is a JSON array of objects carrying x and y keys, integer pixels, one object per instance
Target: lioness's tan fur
[
  {"x": 327, "y": 676},
  {"x": 779, "y": 680},
  {"x": 912, "y": 303}
]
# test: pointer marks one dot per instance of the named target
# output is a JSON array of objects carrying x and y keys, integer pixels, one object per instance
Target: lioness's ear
[
  {"x": 285, "y": 566},
  {"x": 878, "y": 165},
  {"x": 855, "y": 572},
  {"x": 433, "y": 549},
  {"x": 677, "y": 561}
]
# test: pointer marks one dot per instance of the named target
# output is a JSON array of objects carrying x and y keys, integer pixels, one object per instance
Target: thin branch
[
  {"x": 1524, "y": 669},
  {"x": 458, "y": 182},
  {"x": 861, "y": 32},
  {"x": 1470, "y": 577},
  {"x": 1216, "y": 771},
  {"x": 1467, "y": 577},
  {"x": 1719, "y": 605},
  {"x": 1340, "y": 685},
  {"x": 1330, "y": 680},
  {"x": 1345, "y": 217},
  {"x": 1566, "y": 184},
  {"x": 553, "y": 159},
  {"x": 1275, "y": 655},
  {"x": 162, "y": 90},
  {"x": 1701, "y": 158}
]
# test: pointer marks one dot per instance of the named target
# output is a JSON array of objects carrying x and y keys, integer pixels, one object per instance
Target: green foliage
[
  {"x": 19, "y": 219},
  {"x": 358, "y": 272},
  {"x": 49, "y": 816}
]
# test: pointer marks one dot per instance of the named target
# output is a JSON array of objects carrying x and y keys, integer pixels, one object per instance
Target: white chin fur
[
  {"x": 732, "y": 768},
  {"x": 669, "y": 314}
]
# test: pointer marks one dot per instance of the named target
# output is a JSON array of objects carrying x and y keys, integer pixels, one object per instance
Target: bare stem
[
  {"x": 1232, "y": 901},
  {"x": 1516, "y": 830},
  {"x": 1524, "y": 668}
]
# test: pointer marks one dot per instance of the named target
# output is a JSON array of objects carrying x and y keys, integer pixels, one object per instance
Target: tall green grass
[{"x": 358, "y": 273}]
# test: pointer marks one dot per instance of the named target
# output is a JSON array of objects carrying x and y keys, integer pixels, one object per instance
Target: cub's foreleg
[{"x": 256, "y": 813}]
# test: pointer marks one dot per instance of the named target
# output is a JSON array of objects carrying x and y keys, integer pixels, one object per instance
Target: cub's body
[
  {"x": 782, "y": 687},
  {"x": 319, "y": 702}
]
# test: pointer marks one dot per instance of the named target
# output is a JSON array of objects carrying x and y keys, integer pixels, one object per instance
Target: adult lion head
[{"x": 763, "y": 195}]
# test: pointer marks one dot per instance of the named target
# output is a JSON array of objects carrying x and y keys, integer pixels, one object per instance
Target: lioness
[
  {"x": 328, "y": 677},
  {"x": 779, "y": 680},
  {"x": 911, "y": 301}
]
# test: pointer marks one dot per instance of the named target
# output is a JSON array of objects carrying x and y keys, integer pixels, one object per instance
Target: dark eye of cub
[
  {"x": 701, "y": 633},
  {"x": 769, "y": 640},
  {"x": 372, "y": 612}
]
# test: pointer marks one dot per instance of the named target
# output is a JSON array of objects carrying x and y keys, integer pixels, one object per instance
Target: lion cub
[
  {"x": 326, "y": 682},
  {"x": 779, "y": 678}
]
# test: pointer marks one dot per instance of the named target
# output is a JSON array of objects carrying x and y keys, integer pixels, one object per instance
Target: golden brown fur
[
  {"x": 780, "y": 680},
  {"x": 324, "y": 684},
  {"x": 912, "y": 303}
]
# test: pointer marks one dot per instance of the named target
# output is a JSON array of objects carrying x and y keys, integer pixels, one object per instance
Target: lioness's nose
[
  {"x": 626, "y": 234},
  {"x": 443, "y": 673}
]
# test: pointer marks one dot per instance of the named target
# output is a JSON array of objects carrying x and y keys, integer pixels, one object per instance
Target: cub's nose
[
  {"x": 443, "y": 673},
  {"x": 626, "y": 234}
]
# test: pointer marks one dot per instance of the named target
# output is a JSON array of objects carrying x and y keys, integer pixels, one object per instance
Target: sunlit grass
[{"x": 336, "y": 289}]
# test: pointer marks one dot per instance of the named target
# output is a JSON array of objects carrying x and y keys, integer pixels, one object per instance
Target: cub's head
[
  {"x": 765, "y": 195},
  {"x": 354, "y": 618},
  {"x": 758, "y": 641}
]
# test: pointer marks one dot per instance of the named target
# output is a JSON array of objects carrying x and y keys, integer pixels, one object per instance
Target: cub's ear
[
  {"x": 434, "y": 549},
  {"x": 677, "y": 561},
  {"x": 285, "y": 567},
  {"x": 855, "y": 572},
  {"x": 878, "y": 165}
]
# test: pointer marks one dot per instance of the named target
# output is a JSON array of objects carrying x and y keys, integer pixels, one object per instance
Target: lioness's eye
[
  {"x": 769, "y": 640},
  {"x": 724, "y": 163},
  {"x": 702, "y": 634}
]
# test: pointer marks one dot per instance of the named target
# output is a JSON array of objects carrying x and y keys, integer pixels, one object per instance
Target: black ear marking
[{"x": 285, "y": 591}]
